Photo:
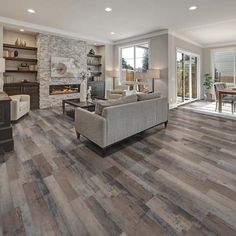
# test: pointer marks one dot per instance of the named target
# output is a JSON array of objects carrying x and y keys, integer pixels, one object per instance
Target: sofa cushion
[
  {"x": 101, "y": 104},
  {"x": 148, "y": 96}
]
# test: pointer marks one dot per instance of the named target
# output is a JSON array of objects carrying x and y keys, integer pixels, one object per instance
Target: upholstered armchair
[{"x": 20, "y": 105}]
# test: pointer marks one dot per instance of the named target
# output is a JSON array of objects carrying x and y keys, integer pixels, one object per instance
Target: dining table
[{"x": 223, "y": 92}]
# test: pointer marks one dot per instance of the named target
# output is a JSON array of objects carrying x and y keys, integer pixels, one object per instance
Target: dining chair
[{"x": 226, "y": 99}]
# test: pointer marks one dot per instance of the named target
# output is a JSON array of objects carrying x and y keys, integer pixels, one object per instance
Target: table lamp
[
  {"x": 113, "y": 74},
  {"x": 2, "y": 70},
  {"x": 154, "y": 74}
]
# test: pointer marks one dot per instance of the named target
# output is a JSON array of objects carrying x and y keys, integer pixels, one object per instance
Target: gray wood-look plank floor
[{"x": 175, "y": 181}]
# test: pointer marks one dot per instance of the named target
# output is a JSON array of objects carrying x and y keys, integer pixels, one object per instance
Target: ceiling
[{"x": 213, "y": 22}]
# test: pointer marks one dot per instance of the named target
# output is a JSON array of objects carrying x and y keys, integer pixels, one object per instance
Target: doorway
[{"x": 188, "y": 77}]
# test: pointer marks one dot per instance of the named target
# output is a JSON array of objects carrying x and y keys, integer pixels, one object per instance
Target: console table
[{"x": 6, "y": 140}]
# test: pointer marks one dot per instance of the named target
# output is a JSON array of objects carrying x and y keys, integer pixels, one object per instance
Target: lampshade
[
  {"x": 140, "y": 76},
  {"x": 2, "y": 65},
  {"x": 154, "y": 73},
  {"x": 113, "y": 74}
]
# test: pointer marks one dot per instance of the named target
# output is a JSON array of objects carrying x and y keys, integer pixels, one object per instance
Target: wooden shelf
[
  {"x": 98, "y": 56},
  {"x": 21, "y": 71},
  {"x": 96, "y": 72},
  {"x": 19, "y": 47},
  {"x": 20, "y": 59},
  {"x": 92, "y": 64}
]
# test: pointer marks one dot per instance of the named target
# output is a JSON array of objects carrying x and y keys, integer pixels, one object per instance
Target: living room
[{"x": 116, "y": 124}]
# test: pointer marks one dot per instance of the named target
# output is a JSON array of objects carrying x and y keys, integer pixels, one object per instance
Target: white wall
[
  {"x": 173, "y": 44},
  {"x": 158, "y": 58}
]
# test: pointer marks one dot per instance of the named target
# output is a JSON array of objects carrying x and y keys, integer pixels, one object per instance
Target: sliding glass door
[{"x": 187, "y": 77}]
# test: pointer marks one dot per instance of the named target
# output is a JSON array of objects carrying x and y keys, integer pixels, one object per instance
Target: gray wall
[
  {"x": 158, "y": 58},
  {"x": 175, "y": 43},
  {"x": 109, "y": 64}
]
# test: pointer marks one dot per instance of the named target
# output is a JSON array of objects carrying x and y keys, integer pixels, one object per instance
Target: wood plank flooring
[{"x": 175, "y": 181}]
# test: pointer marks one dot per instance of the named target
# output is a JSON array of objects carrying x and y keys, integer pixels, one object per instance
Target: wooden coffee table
[{"x": 90, "y": 106}]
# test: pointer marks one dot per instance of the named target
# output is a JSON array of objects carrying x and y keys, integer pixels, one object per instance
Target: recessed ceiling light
[
  {"x": 95, "y": 44},
  {"x": 112, "y": 33},
  {"x": 192, "y": 8},
  {"x": 108, "y": 9},
  {"x": 31, "y": 10},
  {"x": 22, "y": 30}
]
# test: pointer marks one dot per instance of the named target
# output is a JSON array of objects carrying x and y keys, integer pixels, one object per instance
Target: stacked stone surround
[{"x": 49, "y": 46}]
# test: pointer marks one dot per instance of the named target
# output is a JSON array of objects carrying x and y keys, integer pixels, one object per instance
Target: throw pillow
[
  {"x": 101, "y": 104},
  {"x": 148, "y": 96}
]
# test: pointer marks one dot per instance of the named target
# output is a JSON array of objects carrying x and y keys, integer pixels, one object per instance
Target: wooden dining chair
[{"x": 226, "y": 99}]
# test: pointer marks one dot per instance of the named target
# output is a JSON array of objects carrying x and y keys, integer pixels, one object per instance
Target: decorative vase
[
  {"x": 83, "y": 90},
  {"x": 17, "y": 43},
  {"x": 16, "y": 53}
]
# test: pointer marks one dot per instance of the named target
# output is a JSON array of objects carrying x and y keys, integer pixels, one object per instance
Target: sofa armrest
[
  {"x": 91, "y": 125},
  {"x": 15, "y": 104}
]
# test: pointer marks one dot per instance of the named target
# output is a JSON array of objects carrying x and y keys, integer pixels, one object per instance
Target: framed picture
[{"x": 62, "y": 67}]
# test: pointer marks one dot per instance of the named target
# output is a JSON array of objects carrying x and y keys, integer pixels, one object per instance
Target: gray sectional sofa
[{"x": 117, "y": 122}]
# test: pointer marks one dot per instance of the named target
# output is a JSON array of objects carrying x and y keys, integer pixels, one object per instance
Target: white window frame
[{"x": 128, "y": 46}]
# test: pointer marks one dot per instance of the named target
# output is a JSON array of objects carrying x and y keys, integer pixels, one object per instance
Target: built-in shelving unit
[
  {"x": 94, "y": 66},
  {"x": 97, "y": 56},
  {"x": 5, "y": 45},
  {"x": 17, "y": 60},
  {"x": 20, "y": 59},
  {"x": 21, "y": 71}
]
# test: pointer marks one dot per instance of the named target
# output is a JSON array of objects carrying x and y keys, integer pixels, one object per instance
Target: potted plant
[{"x": 208, "y": 83}]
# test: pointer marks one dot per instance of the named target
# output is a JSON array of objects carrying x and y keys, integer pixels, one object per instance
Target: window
[
  {"x": 134, "y": 60},
  {"x": 224, "y": 65}
]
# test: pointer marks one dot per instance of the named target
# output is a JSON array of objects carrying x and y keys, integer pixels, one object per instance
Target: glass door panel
[
  {"x": 194, "y": 63},
  {"x": 187, "y": 77},
  {"x": 180, "y": 77}
]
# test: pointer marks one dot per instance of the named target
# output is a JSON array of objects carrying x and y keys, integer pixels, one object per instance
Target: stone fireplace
[
  {"x": 54, "y": 90},
  {"x": 64, "y": 89}
]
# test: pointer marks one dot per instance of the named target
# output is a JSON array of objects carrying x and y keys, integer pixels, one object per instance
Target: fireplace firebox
[{"x": 64, "y": 89}]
